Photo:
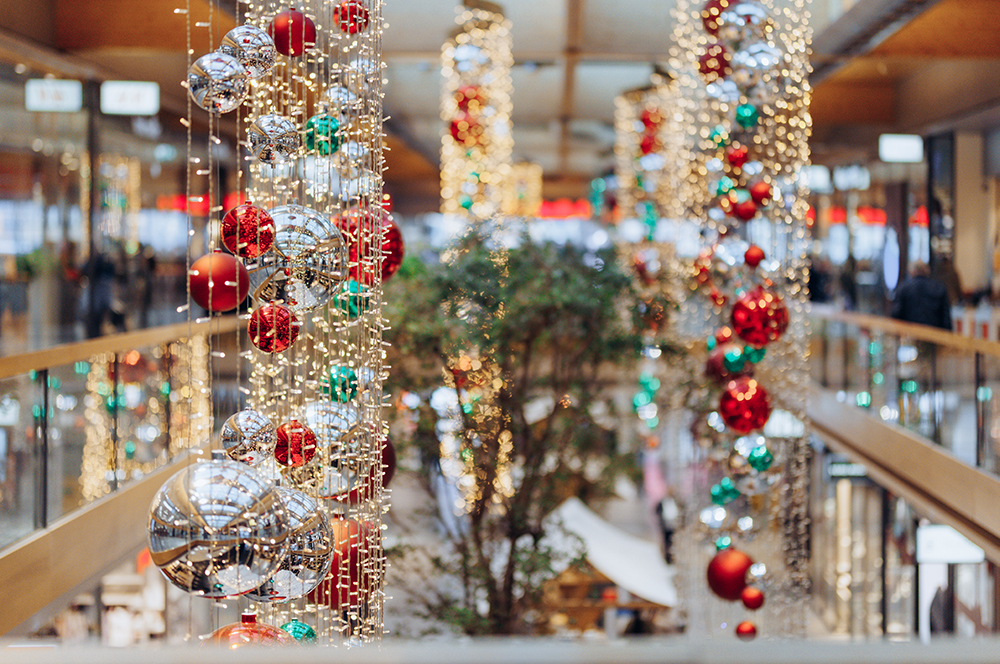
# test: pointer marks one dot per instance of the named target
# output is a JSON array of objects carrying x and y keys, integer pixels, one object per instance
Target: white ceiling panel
[
  {"x": 537, "y": 92},
  {"x": 627, "y": 27},
  {"x": 597, "y": 85}
]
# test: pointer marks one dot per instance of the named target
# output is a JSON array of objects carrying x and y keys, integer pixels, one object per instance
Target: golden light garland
[
  {"x": 475, "y": 107},
  {"x": 154, "y": 398},
  {"x": 522, "y": 190}
]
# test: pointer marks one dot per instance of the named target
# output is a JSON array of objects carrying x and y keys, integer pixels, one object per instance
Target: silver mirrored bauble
[
  {"x": 274, "y": 139},
  {"x": 218, "y": 529},
  {"x": 253, "y": 47},
  {"x": 310, "y": 550},
  {"x": 248, "y": 436},
  {"x": 754, "y": 61},
  {"x": 346, "y": 457},
  {"x": 217, "y": 82},
  {"x": 307, "y": 263},
  {"x": 742, "y": 23},
  {"x": 346, "y": 88}
]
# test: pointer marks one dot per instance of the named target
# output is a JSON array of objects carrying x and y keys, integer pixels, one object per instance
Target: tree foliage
[{"x": 530, "y": 338}]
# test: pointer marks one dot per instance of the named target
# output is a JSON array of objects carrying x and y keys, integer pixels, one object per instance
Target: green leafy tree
[{"x": 531, "y": 338}]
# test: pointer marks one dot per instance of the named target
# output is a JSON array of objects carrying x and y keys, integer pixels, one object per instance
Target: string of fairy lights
[{"x": 306, "y": 462}]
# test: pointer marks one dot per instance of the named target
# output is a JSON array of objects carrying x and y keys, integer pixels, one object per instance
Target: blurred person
[
  {"x": 819, "y": 279},
  {"x": 98, "y": 297},
  {"x": 922, "y": 299}
]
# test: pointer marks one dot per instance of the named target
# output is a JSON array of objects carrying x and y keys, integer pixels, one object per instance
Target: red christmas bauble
[
  {"x": 710, "y": 14},
  {"x": 347, "y": 585},
  {"x": 715, "y": 365},
  {"x": 648, "y": 144},
  {"x": 753, "y": 255},
  {"x": 727, "y": 573},
  {"x": 293, "y": 32},
  {"x": 249, "y": 632},
  {"x": 759, "y": 316},
  {"x": 760, "y": 192},
  {"x": 366, "y": 489},
  {"x": 744, "y": 406},
  {"x": 273, "y": 328},
  {"x": 746, "y": 631},
  {"x": 745, "y": 210},
  {"x": 723, "y": 334},
  {"x": 132, "y": 368},
  {"x": 466, "y": 130},
  {"x": 651, "y": 118},
  {"x": 358, "y": 226},
  {"x": 737, "y": 156},
  {"x": 470, "y": 98},
  {"x": 753, "y": 598},
  {"x": 388, "y": 462},
  {"x": 248, "y": 231},
  {"x": 218, "y": 281},
  {"x": 296, "y": 444},
  {"x": 714, "y": 63},
  {"x": 352, "y": 16}
]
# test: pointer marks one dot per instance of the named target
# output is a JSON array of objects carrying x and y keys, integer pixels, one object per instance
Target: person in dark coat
[{"x": 922, "y": 299}]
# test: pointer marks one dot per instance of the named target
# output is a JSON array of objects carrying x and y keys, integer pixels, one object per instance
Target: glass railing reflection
[
  {"x": 74, "y": 432},
  {"x": 942, "y": 386}
]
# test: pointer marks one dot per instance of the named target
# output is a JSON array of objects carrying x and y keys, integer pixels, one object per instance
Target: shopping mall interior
[{"x": 561, "y": 330}]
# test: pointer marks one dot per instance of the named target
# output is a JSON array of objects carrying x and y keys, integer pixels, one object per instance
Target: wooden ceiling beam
[
  {"x": 849, "y": 103},
  {"x": 948, "y": 29},
  {"x": 571, "y": 55},
  {"x": 149, "y": 25}
]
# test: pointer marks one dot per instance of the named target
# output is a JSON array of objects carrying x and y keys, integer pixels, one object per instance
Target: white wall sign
[
  {"x": 944, "y": 544},
  {"x": 130, "y": 98},
  {"x": 53, "y": 95},
  {"x": 901, "y": 148}
]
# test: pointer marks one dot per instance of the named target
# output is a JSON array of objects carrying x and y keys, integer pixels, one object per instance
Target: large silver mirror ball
[
  {"x": 217, "y": 82},
  {"x": 218, "y": 529},
  {"x": 308, "y": 261},
  {"x": 248, "y": 436},
  {"x": 274, "y": 139},
  {"x": 253, "y": 47},
  {"x": 310, "y": 550}
]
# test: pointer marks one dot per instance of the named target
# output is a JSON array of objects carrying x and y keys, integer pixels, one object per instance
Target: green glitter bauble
[
  {"x": 352, "y": 299},
  {"x": 733, "y": 361},
  {"x": 746, "y": 116},
  {"x": 321, "y": 134},
  {"x": 343, "y": 385},
  {"x": 760, "y": 458},
  {"x": 719, "y": 135},
  {"x": 300, "y": 631},
  {"x": 724, "y": 492},
  {"x": 724, "y": 186},
  {"x": 754, "y": 355}
]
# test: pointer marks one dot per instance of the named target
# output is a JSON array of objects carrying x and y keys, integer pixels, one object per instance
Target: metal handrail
[
  {"x": 911, "y": 330},
  {"x": 82, "y": 351}
]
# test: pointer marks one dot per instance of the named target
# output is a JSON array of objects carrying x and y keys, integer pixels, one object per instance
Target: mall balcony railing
[
  {"x": 931, "y": 400},
  {"x": 88, "y": 433}
]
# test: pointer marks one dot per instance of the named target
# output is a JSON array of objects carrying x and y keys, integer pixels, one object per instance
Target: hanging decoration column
[
  {"x": 306, "y": 463},
  {"x": 476, "y": 149},
  {"x": 742, "y": 67},
  {"x": 651, "y": 152}
]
